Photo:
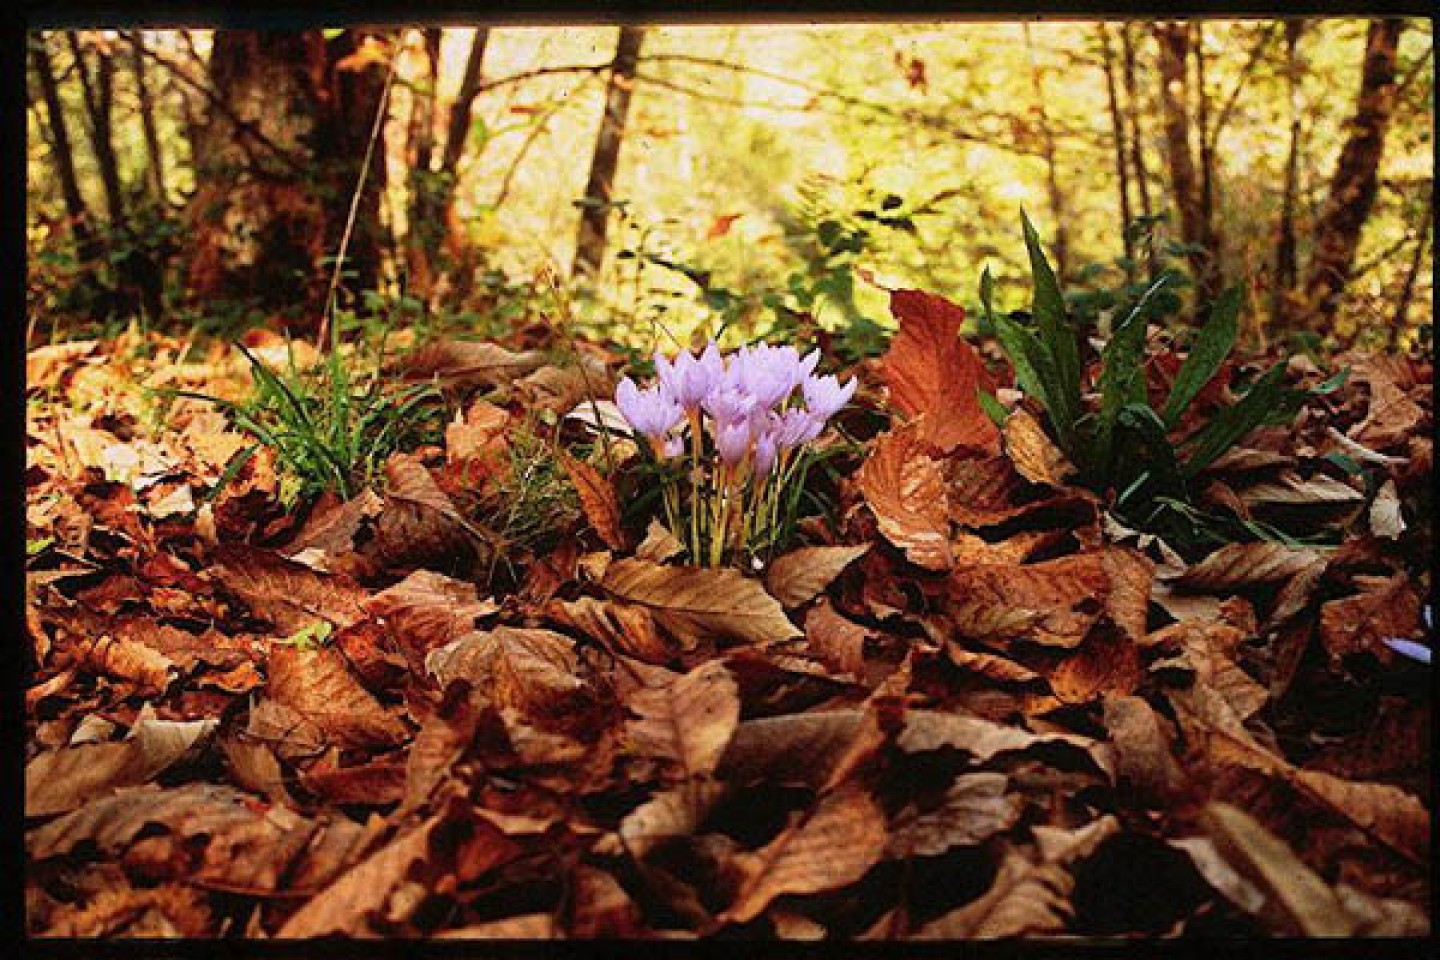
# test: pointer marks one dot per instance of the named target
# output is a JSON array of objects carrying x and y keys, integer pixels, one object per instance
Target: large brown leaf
[
  {"x": 289, "y": 595},
  {"x": 1386, "y": 608},
  {"x": 842, "y": 838},
  {"x": 931, "y": 370},
  {"x": 800, "y": 575},
  {"x": 319, "y": 686},
  {"x": 466, "y": 362},
  {"x": 625, "y": 628},
  {"x": 597, "y": 498},
  {"x": 690, "y": 721},
  {"x": 534, "y": 671},
  {"x": 905, "y": 488},
  {"x": 1242, "y": 564},
  {"x": 1069, "y": 591},
  {"x": 836, "y": 640},
  {"x": 832, "y": 743},
  {"x": 669, "y": 814},
  {"x": 694, "y": 603},
  {"x": 428, "y": 610},
  {"x": 1034, "y": 454}
]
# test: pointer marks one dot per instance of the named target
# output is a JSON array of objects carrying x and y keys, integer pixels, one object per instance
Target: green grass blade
[
  {"x": 1048, "y": 307},
  {"x": 1261, "y": 402}
]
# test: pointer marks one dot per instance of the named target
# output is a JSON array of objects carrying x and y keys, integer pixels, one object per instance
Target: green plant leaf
[
  {"x": 1122, "y": 376},
  {"x": 1048, "y": 307},
  {"x": 1261, "y": 401},
  {"x": 1211, "y": 346},
  {"x": 993, "y": 408}
]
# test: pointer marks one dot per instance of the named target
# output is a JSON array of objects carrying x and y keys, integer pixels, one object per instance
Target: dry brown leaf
[
  {"x": 147, "y": 668},
  {"x": 1070, "y": 591},
  {"x": 1291, "y": 489},
  {"x": 1392, "y": 415},
  {"x": 833, "y": 743},
  {"x": 331, "y": 529},
  {"x": 690, "y": 721},
  {"x": 534, "y": 671},
  {"x": 669, "y": 814},
  {"x": 288, "y": 594},
  {"x": 926, "y": 730},
  {"x": 1242, "y": 564},
  {"x": 836, "y": 640},
  {"x": 974, "y": 808},
  {"x": 457, "y": 363},
  {"x": 122, "y": 912},
  {"x": 598, "y": 499},
  {"x": 319, "y": 686},
  {"x": 659, "y": 544},
  {"x": 622, "y": 627},
  {"x": 1298, "y": 903},
  {"x": 1386, "y": 608},
  {"x": 1208, "y": 649},
  {"x": 905, "y": 489},
  {"x": 1386, "y": 518},
  {"x": 480, "y": 435},
  {"x": 428, "y": 610},
  {"x": 842, "y": 838},
  {"x": 982, "y": 491},
  {"x": 1144, "y": 759},
  {"x": 800, "y": 575},
  {"x": 1034, "y": 454},
  {"x": 527, "y": 926},
  {"x": 1107, "y": 662},
  {"x": 931, "y": 370},
  {"x": 694, "y": 603}
]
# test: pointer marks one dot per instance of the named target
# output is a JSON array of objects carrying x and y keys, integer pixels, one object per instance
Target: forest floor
[{"x": 971, "y": 704}]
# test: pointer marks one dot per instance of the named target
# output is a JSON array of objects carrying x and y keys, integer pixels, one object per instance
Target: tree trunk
[
  {"x": 1286, "y": 273},
  {"x": 1417, "y": 259},
  {"x": 1210, "y": 231},
  {"x": 147, "y": 120},
  {"x": 267, "y": 221},
  {"x": 75, "y": 206},
  {"x": 99, "y": 97},
  {"x": 1052, "y": 175},
  {"x": 1137, "y": 139},
  {"x": 457, "y": 132},
  {"x": 1356, "y": 179},
  {"x": 423, "y": 227},
  {"x": 1174, "y": 43},
  {"x": 1117, "y": 132},
  {"x": 595, "y": 212}
]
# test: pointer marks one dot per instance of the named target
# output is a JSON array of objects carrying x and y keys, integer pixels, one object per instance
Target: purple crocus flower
[
  {"x": 728, "y": 403},
  {"x": 794, "y": 426},
  {"x": 824, "y": 396},
  {"x": 767, "y": 373},
  {"x": 765, "y": 453},
  {"x": 732, "y": 440},
  {"x": 1409, "y": 648},
  {"x": 651, "y": 412},
  {"x": 687, "y": 379}
]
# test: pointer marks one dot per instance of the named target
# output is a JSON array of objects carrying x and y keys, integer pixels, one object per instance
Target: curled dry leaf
[
  {"x": 659, "y": 544},
  {"x": 905, "y": 489},
  {"x": 838, "y": 641},
  {"x": 319, "y": 686},
  {"x": 1292, "y": 490},
  {"x": 842, "y": 838},
  {"x": 1386, "y": 518},
  {"x": 147, "y": 668},
  {"x": 983, "y": 491},
  {"x": 800, "y": 575},
  {"x": 428, "y": 610},
  {"x": 672, "y": 813},
  {"x": 931, "y": 370},
  {"x": 1034, "y": 454},
  {"x": 689, "y": 721},
  {"x": 331, "y": 528},
  {"x": 694, "y": 603},
  {"x": 597, "y": 498},
  {"x": 833, "y": 743},
  {"x": 926, "y": 730},
  {"x": 479, "y": 435},
  {"x": 1144, "y": 761}
]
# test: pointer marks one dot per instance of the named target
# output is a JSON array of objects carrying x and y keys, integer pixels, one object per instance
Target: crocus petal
[{"x": 1409, "y": 648}]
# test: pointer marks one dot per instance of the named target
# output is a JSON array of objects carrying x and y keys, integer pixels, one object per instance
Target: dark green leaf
[{"x": 1212, "y": 345}]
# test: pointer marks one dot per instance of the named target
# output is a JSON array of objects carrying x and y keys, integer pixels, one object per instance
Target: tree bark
[
  {"x": 1417, "y": 259},
  {"x": 1356, "y": 179},
  {"x": 1210, "y": 236},
  {"x": 1174, "y": 44},
  {"x": 267, "y": 221},
  {"x": 99, "y": 97},
  {"x": 423, "y": 227},
  {"x": 1052, "y": 176},
  {"x": 1137, "y": 141},
  {"x": 1286, "y": 274},
  {"x": 595, "y": 212},
  {"x": 1117, "y": 132},
  {"x": 75, "y": 206},
  {"x": 156, "y": 167}
]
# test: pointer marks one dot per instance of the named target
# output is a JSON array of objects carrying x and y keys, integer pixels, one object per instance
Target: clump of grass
[
  {"x": 534, "y": 501},
  {"x": 331, "y": 427}
]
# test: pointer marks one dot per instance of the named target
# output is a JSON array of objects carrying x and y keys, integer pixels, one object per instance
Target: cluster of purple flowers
[
  {"x": 742, "y": 418},
  {"x": 746, "y": 399}
]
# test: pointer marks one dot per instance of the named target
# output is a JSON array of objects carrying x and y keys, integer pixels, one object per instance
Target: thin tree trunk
[
  {"x": 1137, "y": 140},
  {"x": 75, "y": 205},
  {"x": 1174, "y": 43},
  {"x": 457, "y": 132},
  {"x": 147, "y": 119},
  {"x": 99, "y": 97},
  {"x": 1052, "y": 175},
  {"x": 595, "y": 212},
  {"x": 1286, "y": 273},
  {"x": 1209, "y": 226},
  {"x": 1356, "y": 179},
  {"x": 1417, "y": 259},
  {"x": 1117, "y": 131},
  {"x": 424, "y": 228}
]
